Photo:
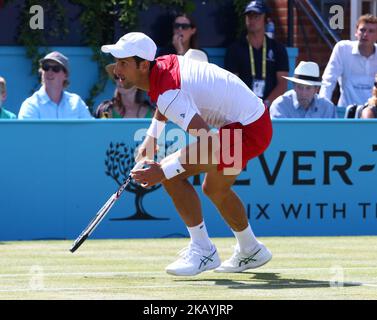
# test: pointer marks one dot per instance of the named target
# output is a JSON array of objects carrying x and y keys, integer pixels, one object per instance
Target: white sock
[
  {"x": 246, "y": 240},
  {"x": 199, "y": 236}
]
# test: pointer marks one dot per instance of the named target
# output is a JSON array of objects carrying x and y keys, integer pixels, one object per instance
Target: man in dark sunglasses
[
  {"x": 51, "y": 101},
  {"x": 54, "y": 67}
]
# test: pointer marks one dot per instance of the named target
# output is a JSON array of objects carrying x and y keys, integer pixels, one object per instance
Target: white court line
[
  {"x": 88, "y": 288},
  {"x": 369, "y": 284},
  {"x": 85, "y": 274},
  {"x": 91, "y": 289},
  {"x": 275, "y": 282},
  {"x": 162, "y": 273}
]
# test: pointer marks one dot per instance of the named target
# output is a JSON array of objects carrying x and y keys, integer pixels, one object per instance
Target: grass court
[{"x": 301, "y": 268}]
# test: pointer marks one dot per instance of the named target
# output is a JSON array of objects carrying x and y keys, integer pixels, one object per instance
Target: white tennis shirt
[{"x": 183, "y": 87}]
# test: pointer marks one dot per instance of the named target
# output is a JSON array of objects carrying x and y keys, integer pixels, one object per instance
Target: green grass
[{"x": 302, "y": 268}]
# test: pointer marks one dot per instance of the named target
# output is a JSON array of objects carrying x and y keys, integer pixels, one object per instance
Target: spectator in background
[
  {"x": 370, "y": 109},
  {"x": 353, "y": 65},
  {"x": 302, "y": 101},
  {"x": 261, "y": 62},
  {"x": 184, "y": 36},
  {"x": 4, "y": 114},
  {"x": 51, "y": 101},
  {"x": 128, "y": 101}
]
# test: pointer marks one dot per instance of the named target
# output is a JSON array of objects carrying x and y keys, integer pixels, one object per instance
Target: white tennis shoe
[
  {"x": 194, "y": 260},
  {"x": 240, "y": 261}
]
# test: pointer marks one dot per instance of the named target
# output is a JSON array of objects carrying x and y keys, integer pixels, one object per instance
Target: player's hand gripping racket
[{"x": 102, "y": 212}]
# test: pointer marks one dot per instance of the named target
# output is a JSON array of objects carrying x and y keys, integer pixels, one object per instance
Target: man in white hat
[
  {"x": 197, "y": 96},
  {"x": 303, "y": 101}
]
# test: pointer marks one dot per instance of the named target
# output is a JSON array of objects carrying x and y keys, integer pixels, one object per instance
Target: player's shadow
[{"x": 271, "y": 280}]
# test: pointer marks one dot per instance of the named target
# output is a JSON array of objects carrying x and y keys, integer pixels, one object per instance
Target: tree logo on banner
[{"x": 119, "y": 161}]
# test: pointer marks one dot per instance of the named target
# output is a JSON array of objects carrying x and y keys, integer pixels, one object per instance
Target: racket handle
[{"x": 139, "y": 165}]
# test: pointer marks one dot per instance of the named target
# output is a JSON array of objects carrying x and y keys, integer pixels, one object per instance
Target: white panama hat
[{"x": 306, "y": 73}]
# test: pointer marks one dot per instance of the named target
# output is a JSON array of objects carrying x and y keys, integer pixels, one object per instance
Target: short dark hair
[
  {"x": 138, "y": 60},
  {"x": 367, "y": 18}
]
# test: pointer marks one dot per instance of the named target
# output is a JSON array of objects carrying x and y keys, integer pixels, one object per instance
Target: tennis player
[{"x": 199, "y": 96}]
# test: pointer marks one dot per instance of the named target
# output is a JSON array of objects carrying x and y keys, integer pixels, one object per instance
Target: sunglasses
[
  {"x": 54, "y": 68},
  {"x": 183, "y": 26},
  {"x": 375, "y": 84}
]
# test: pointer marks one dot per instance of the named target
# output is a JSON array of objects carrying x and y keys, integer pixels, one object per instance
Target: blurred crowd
[{"x": 259, "y": 60}]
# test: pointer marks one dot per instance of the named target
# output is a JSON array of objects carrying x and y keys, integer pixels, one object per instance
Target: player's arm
[
  {"x": 149, "y": 146},
  {"x": 206, "y": 145},
  {"x": 159, "y": 116},
  {"x": 180, "y": 108},
  {"x": 204, "y": 149}
]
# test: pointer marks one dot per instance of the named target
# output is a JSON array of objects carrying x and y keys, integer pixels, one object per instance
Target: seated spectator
[
  {"x": 353, "y": 65},
  {"x": 4, "y": 114},
  {"x": 128, "y": 101},
  {"x": 370, "y": 110},
  {"x": 184, "y": 36},
  {"x": 302, "y": 101},
  {"x": 51, "y": 101},
  {"x": 260, "y": 62}
]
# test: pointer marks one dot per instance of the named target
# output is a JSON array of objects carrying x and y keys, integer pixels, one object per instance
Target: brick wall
[{"x": 306, "y": 38}]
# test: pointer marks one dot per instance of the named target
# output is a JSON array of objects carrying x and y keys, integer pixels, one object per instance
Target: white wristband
[
  {"x": 156, "y": 128},
  {"x": 172, "y": 168}
]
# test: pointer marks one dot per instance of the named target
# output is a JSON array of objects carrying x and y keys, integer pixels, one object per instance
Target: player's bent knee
[
  {"x": 171, "y": 185},
  {"x": 214, "y": 191}
]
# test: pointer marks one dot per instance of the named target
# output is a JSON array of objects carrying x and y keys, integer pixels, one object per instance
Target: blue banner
[{"x": 317, "y": 178}]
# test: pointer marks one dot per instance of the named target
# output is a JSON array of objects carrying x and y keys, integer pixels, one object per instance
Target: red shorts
[{"x": 237, "y": 147}]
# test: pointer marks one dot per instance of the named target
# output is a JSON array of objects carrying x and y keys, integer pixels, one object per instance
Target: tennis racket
[{"x": 102, "y": 212}]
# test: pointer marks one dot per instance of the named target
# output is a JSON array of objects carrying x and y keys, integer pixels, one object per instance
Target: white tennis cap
[{"x": 132, "y": 44}]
